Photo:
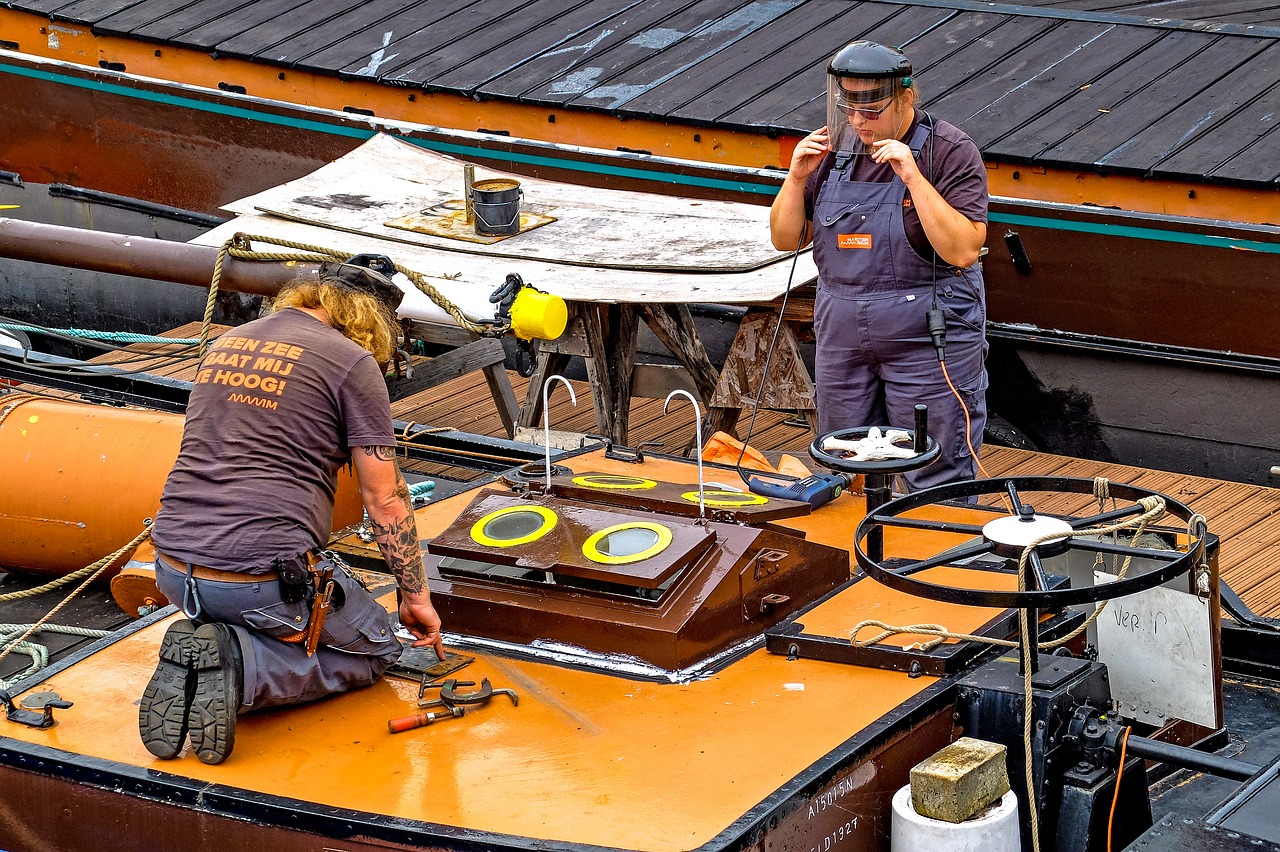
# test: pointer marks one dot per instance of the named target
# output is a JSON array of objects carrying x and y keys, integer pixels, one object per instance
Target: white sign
[{"x": 1159, "y": 654}]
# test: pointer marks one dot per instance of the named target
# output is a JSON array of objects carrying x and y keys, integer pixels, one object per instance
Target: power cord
[{"x": 768, "y": 358}]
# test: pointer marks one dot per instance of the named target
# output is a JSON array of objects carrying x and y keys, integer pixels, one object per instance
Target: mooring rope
[
  {"x": 240, "y": 246},
  {"x": 90, "y": 334},
  {"x": 93, "y": 571},
  {"x": 39, "y": 654},
  {"x": 14, "y": 401}
]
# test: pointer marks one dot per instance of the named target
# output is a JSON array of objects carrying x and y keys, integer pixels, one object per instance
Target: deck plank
[
  {"x": 1105, "y": 93},
  {"x": 1239, "y": 73},
  {"x": 566, "y": 32}
]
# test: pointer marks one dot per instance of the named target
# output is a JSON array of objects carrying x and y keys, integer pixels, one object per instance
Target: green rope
[
  {"x": 7, "y": 647},
  {"x": 39, "y": 654},
  {"x": 89, "y": 334}
]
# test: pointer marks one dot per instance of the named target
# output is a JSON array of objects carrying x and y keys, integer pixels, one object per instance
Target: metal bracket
[
  {"x": 624, "y": 454},
  {"x": 36, "y": 711}
]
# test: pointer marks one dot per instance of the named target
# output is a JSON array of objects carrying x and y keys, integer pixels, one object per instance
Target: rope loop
[
  {"x": 1198, "y": 529},
  {"x": 92, "y": 571},
  {"x": 240, "y": 246}
]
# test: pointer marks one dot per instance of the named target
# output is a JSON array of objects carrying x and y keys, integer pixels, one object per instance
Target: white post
[
  {"x": 546, "y": 420},
  {"x": 697, "y": 434}
]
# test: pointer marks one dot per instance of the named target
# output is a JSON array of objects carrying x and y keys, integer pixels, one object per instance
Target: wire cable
[
  {"x": 1115, "y": 797},
  {"x": 768, "y": 358}
]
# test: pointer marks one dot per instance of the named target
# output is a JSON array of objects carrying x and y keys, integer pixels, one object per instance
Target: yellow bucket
[{"x": 538, "y": 315}]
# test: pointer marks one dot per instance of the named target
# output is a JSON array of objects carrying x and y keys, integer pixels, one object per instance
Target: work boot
[
  {"x": 162, "y": 713},
  {"x": 215, "y": 700}
]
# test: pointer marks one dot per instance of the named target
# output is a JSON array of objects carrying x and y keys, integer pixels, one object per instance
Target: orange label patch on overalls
[{"x": 853, "y": 241}]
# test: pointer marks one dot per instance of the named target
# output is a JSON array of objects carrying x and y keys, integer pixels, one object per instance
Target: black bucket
[{"x": 496, "y": 206}]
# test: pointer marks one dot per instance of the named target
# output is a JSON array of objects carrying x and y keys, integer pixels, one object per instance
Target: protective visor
[{"x": 848, "y": 97}]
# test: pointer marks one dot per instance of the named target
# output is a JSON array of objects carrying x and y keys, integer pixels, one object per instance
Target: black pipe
[
  {"x": 135, "y": 205},
  {"x": 1189, "y": 758}
]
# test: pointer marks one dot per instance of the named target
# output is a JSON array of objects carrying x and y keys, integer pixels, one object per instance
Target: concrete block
[{"x": 959, "y": 781}]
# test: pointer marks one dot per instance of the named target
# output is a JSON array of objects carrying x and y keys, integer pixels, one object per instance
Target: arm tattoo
[
  {"x": 398, "y": 542},
  {"x": 381, "y": 453}
]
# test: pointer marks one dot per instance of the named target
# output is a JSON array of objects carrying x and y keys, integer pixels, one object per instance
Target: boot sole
[
  {"x": 214, "y": 702},
  {"x": 162, "y": 713}
]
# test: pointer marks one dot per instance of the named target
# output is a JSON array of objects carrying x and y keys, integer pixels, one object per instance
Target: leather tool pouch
[{"x": 295, "y": 579}]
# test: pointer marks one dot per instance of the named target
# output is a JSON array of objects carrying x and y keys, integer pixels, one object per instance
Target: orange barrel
[{"x": 81, "y": 479}]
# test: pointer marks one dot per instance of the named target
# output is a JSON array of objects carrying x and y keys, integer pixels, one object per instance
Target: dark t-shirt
[
  {"x": 276, "y": 407},
  {"x": 949, "y": 160}
]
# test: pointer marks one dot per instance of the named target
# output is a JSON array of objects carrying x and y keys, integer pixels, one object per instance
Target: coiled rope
[
  {"x": 240, "y": 246},
  {"x": 11, "y": 642}
]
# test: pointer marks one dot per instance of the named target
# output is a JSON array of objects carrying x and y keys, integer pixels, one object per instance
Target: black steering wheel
[{"x": 1008, "y": 534}]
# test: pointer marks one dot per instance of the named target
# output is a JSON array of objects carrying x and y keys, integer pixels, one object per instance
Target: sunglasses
[{"x": 848, "y": 107}]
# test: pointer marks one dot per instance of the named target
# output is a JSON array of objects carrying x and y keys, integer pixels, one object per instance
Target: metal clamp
[{"x": 36, "y": 711}]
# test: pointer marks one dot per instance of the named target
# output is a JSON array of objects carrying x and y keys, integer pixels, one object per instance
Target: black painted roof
[{"x": 1177, "y": 88}]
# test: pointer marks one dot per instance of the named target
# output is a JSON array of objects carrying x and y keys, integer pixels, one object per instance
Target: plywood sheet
[
  {"x": 386, "y": 179},
  {"x": 467, "y": 278}
]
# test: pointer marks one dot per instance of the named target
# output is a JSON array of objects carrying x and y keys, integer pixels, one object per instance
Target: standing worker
[
  {"x": 277, "y": 407},
  {"x": 895, "y": 204}
]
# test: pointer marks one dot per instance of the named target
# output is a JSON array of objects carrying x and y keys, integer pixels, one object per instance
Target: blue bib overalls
[{"x": 875, "y": 360}]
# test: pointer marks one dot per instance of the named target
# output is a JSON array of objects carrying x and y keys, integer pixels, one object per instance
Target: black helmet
[
  {"x": 869, "y": 60},
  {"x": 366, "y": 273}
]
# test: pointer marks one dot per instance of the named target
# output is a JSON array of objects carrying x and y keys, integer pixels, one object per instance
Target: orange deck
[{"x": 586, "y": 757}]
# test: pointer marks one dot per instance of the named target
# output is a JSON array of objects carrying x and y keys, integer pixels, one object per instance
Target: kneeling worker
[{"x": 278, "y": 406}]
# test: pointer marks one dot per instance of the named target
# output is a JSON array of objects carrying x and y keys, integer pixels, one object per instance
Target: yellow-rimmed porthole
[
  {"x": 513, "y": 525},
  {"x": 726, "y": 499},
  {"x": 630, "y": 542},
  {"x": 611, "y": 482}
]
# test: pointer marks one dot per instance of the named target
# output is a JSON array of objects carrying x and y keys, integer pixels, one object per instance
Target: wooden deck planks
[
  {"x": 579, "y": 21},
  {"x": 1098, "y": 92}
]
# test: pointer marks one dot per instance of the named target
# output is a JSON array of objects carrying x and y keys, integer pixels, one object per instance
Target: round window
[
  {"x": 513, "y": 525},
  {"x": 613, "y": 483},
  {"x": 630, "y": 542},
  {"x": 726, "y": 499}
]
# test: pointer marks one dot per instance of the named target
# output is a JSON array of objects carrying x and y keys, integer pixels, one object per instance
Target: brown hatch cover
[
  {"x": 522, "y": 569},
  {"x": 641, "y": 492}
]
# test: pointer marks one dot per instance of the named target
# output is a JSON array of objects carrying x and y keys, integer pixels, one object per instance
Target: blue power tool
[{"x": 817, "y": 489}]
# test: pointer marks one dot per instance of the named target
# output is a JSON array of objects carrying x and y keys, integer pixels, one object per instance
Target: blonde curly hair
[{"x": 360, "y": 317}]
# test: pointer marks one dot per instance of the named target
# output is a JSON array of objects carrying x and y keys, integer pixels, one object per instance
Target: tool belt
[
  {"x": 218, "y": 575},
  {"x": 309, "y": 573}
]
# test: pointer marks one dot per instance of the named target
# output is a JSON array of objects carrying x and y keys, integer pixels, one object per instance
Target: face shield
[
  {"x": 863, "y": 81},
  {"x": 854, "y": 103}
]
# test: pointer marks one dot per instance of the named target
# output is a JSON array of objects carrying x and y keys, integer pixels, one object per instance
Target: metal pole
[
  {"x": 1189, "y": 758},
  {"x": 142, "y": 257}
]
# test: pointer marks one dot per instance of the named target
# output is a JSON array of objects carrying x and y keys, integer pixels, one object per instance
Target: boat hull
[{"x": 1102, "y": 292}]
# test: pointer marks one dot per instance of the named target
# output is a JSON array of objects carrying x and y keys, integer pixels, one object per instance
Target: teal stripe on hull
[
  {"x": 1134, "y": 232},
  {"x": 362, "y": 134},
  {"x": 458, "y": 149}
]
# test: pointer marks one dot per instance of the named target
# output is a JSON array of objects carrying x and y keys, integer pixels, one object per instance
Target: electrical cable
[
  {"x": 1115, "y": 796},
  {"x": 764, "y": 374},
  {"x": 936, "y": 321}
]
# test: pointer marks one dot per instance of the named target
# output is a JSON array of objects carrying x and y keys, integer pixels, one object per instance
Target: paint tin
[{"x": 496, "y": 204}]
